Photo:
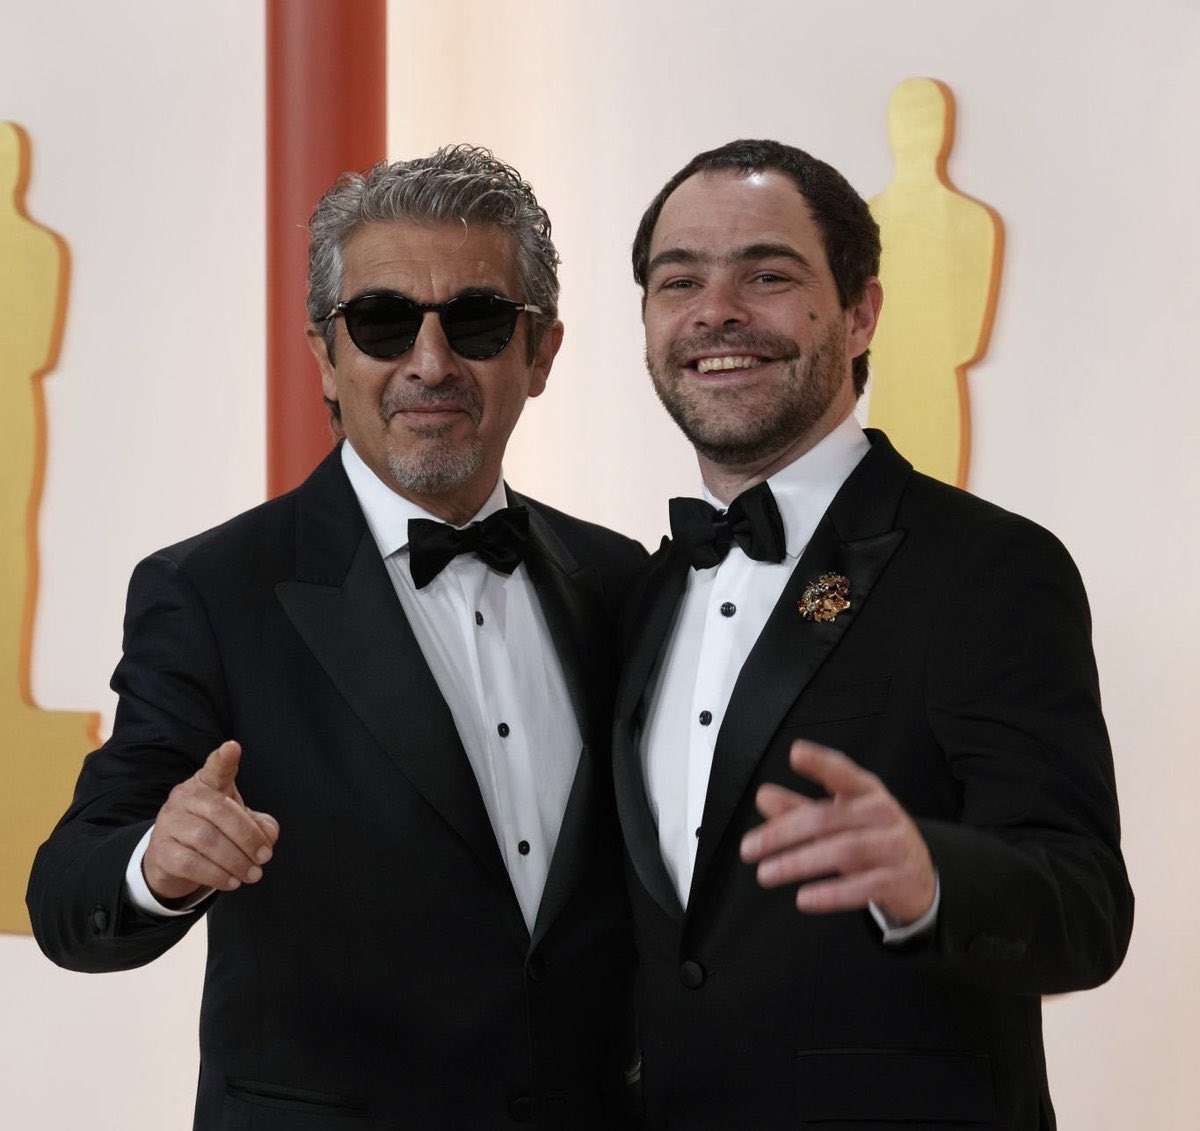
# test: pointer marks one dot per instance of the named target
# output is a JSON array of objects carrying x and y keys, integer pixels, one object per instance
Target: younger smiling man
[{"x": 861, "y": 769}]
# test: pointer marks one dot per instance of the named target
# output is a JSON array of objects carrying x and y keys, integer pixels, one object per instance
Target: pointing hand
[{"x": 205, "y": 837}]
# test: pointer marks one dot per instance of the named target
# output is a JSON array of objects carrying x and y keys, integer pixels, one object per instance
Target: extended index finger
[
  {"x": 220, "y": 768},
  {"x": 839, "y": 774}
]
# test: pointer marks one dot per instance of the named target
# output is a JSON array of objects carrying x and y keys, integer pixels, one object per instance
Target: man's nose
[
  {"x": 431, "y": 360},
  {"x": 721, "y": 303}
]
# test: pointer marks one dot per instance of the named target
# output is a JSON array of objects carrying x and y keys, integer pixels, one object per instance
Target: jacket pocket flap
[
  {"x": 294, "y": 1099},
  {"x": 845, "y": 701}
]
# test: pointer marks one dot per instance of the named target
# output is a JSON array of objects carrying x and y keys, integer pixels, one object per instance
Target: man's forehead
[
  {"x": 727, "y": 197},
  {"x": 472, "y": 253},
  {"x": 430, "y": 241},
  {"x": 718, "y": 214}
]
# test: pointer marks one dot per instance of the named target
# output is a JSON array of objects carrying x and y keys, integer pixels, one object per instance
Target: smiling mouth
[
  {"x": 425, "y": 417},
  {"x": 432, "y": 411},
  {"x": 729, "y": 361}
]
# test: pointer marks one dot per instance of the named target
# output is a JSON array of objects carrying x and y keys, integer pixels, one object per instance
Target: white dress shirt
[
  {"x": 486, "y": 642},
  {"x": 485, "y": 639},
  {"x": 720, "y": 617}
]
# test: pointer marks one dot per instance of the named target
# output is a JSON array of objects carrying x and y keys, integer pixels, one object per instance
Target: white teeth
[{"x": 710, "y": 364}]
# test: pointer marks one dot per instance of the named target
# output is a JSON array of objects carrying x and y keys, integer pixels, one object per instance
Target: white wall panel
[{"x": 146, "y": 129}]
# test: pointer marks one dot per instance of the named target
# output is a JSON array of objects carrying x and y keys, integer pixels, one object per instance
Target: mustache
[
  {"x": 733, "y": 342},
  {"x": 461, "y": 398}
]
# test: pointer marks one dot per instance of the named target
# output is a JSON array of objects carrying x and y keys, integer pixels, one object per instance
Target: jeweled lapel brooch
[{"x": 825, "y": 598}]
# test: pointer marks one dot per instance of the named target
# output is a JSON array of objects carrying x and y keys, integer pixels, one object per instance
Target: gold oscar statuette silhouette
[
  {"x": 40, "y": 751},
  {"x": 940, "y": 271}
]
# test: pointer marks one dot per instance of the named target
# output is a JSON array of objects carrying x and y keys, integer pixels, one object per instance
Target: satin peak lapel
[
  {"x": 653, "y": 617},
  {"x": 656, "y": 604},
  {"x": 853, "y": 539},
  {"x": 570, "y": 600},
  {"x": 360, "y": 636}
]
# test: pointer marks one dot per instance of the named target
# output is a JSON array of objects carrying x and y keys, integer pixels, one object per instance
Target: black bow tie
[
  {"x": 499, "y": 541},
  {"x": 752, "y": 521}
]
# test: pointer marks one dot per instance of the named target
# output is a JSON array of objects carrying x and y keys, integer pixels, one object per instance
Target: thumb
[{"x": 221, "y": 767}]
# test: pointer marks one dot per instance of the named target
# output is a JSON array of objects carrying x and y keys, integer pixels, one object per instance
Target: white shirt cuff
[
  {"x": 894, "y": 933},
  {"x": 137, "y": 891}
]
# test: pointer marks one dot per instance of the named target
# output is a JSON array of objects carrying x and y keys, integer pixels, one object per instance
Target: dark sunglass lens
[
  {"x": 382, "y": 325},
  {"x": 479, "y": 326}
]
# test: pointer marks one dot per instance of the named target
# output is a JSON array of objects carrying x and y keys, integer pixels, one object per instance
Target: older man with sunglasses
[{"x": 363, "y": 728}]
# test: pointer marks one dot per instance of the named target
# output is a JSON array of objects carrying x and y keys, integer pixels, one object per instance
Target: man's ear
[
  {"x": 543, "y": 358},
  {"x": 864, "y": 317},
  {"x": 320, "y": 350}
]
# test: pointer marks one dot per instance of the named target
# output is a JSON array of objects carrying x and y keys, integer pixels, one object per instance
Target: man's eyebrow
[
  {"x": 674, "y": 255},
  {"x": 749, "y": 253},
  {"x": 769, "y": 251}
]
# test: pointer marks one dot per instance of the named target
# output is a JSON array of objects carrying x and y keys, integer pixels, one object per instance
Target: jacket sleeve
[
  {"x": 169, "y": 717},
  {"x": 1035, "y": 896}
]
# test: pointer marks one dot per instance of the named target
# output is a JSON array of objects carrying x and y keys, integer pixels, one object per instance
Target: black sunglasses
[{"x": 387, "y": 325}]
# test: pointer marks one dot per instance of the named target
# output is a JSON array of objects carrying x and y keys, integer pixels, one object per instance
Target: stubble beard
[
  {"x": 434, "y": 464},
  {"x": 742, "y": 425}
]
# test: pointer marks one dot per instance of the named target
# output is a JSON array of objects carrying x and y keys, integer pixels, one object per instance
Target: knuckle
[
  {"x": 177, "y": 798},
  {"x": 792, "y": 864},
  {"x": 207, "y": 838},
  {"x": 881, "y": 806},
  {"x": 820, "y": 820},
  {"x": 774, "y": 836},
  {"x": 203, "y": 873},
  {"x": 174, "y": 864},
  {"x": 852, "y": 853}
]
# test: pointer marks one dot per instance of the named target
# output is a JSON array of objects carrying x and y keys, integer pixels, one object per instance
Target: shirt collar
[
  {"x": 388, "y": 513},
  {"x": 804, "y": 488}
]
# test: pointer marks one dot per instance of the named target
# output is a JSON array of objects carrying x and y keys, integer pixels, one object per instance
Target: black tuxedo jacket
[
  {"x": 962, "y": 674},
  {"x": 381, "y": 973}
]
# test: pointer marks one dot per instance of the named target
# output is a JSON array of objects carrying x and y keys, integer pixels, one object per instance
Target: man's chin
[
  {"x": 718, "y": 445},
  {"x": 727, "y": 452},
  {"x": 434, "y": 472}
]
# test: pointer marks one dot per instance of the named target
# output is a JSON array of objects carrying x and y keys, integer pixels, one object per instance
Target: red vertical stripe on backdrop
[{"x": 326, "y": 112}]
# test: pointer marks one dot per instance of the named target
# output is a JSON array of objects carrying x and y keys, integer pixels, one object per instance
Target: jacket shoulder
[
  {"x": 322, "y": 514},
  {"x": 590, "y": 543},
  {"x": 962, "y": 520}
]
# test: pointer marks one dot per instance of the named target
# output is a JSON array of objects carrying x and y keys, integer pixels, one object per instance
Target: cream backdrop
[{"x": 1077, "y": 122}]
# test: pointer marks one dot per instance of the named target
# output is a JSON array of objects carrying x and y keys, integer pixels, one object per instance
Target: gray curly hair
[{"x": 457, "y": 183}]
